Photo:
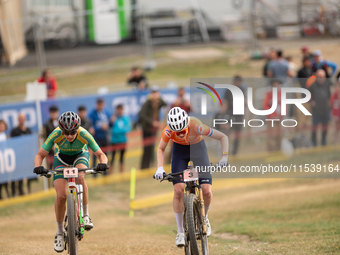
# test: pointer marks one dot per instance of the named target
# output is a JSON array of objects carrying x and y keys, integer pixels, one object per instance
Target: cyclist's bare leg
[
  {"x": 207, "y": 195},
  {"x": 61, "y": 188},
  {"x": 178, "y": 201},
  {"x": 81, "y": 180},
  {"x": 178, "y": 205}
]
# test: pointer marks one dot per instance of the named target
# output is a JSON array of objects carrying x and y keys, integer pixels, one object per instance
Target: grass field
[
  {"x": 296, "y": 216},
  {"x": 248, "y": 216}
]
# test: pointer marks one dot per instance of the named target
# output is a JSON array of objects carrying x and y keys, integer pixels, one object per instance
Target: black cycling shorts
[{"x": 182, "y": 154}]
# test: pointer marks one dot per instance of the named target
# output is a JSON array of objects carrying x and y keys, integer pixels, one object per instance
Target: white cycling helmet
[{"x": 177, "y": 119}]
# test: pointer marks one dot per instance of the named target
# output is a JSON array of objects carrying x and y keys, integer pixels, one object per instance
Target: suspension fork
[
  {"x": 78, "y": 196},
  {"x": 202, "y": 210},
  {"x": 80, "y": 209}
]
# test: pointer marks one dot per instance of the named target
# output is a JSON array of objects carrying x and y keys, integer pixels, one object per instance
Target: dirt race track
[{"x": 30, "y": 228}]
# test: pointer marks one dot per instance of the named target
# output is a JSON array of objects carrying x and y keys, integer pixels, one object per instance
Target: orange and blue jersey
[
  {"x": 190, "y": 148},
  {"x": 195, "y": 132}
]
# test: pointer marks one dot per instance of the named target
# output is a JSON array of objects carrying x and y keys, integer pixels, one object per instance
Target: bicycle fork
[
  {"x": 78, "y": 193},
  {"x": 203, "y": 211},
  {"x": 80, "y": 208}
]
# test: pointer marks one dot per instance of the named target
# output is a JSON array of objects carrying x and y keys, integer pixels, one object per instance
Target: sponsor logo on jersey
[
  {"x": 168, "y": 133},
  {"x": 200, "y": 129},
  {"x": 53, "y": 135}
]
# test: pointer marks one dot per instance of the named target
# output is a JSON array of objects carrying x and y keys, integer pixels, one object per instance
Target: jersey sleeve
[
  {"x": 48, "y": 144},
  {"x": 166, "y": 135},
  {"x": 198, "y": 128},
  {"x": 90, "y": 140}
]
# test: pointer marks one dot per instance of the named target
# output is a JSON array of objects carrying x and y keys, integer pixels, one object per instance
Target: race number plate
[
  {"x": 190, "y": 175},
  {"x": 71, "y": 172}
]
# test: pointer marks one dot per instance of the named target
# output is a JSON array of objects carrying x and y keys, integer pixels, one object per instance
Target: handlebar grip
[
  {"x": 154, "y": 177},
  {"x": 107, "y": 167}
]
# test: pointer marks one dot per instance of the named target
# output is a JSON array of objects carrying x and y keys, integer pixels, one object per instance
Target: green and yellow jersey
[{"x": 80, "y": 143}]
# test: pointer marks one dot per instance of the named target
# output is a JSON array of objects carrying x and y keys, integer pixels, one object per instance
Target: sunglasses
[
  {"x": 183, "y": 132},
  {"x": 69, "y": 133}
]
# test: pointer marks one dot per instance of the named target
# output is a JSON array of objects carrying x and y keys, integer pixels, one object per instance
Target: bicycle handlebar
[
  {"x": 170, "y": 177},
  {"x": 92, "y": 170}
]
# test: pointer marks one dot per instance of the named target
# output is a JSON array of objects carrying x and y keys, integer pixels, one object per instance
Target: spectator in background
[
  {"x": 50, "y": 81},
  {"x": 3, "y": 128},
  {"x": 149, "y": 118},
  {"x": 3, "y": 137},
  {"x": 292, "y": 66},
  {"x": 52, "y": 122},
  {"x": 21, "y": 129},
  {"x": 305, "y": 52},
  {"x": 222, "y": 114},
  {"x": 181, "y": 101},
  {"x": 272, "y": 56},
  {"x": 85, "y": 122},
  {"x": 48, "y": 128},
  {"x": 319, "y": 63},
  {"x": 279, "y": 68},
  {"x": 121, "y": 125},
  {"x": 229, "y": 102},
  {"x": 305, "y": 72},
  {"x": 100, "y": 119},
  {"x": 335, "y": 106},
  {"x": 304, "y": 78},
  {"x": 320, "y": 91},
  {"x": 137, "y": 78},
  {"x": 274, "y": 127}
]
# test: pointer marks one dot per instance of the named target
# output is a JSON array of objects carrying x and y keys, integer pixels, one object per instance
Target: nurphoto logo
[{"x": 239, "y": 103}]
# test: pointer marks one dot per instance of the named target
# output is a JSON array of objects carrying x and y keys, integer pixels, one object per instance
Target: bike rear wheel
[{"x": 72, "y": 225}]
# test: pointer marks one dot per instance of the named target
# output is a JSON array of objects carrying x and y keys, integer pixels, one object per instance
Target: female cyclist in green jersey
[{"x": 71, "y": 143}]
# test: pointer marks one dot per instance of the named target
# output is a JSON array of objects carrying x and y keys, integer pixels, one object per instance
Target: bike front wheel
[
  {"x": 72, "y": 225},
  {"x": 198, "y": 241},
  {"x": 202, "y": 238}
]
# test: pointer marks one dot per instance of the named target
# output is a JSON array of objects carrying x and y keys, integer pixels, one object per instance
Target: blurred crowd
[
  {"x": 110, "y": 127},
  {"x": 314, "y": 73}
]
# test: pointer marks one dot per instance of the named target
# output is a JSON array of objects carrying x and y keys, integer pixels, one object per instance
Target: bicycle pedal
[{"x": 174, "y": 232}]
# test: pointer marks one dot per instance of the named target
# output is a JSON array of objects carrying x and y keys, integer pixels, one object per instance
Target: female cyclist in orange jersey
[{"x": 187, "y": 134}]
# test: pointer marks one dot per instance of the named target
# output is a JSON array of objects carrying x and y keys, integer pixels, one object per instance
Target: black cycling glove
[
  {"x": 102, "y": 167},
  {"x": 39, "y": 170}
]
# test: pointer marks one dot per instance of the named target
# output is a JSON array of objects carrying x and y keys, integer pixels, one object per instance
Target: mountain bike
[
  {"x": 195, "y": 227},
  {"x": 73, "y": 222}
]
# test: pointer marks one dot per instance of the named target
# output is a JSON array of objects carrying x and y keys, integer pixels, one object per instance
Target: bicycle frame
[{"x": 77, "y": 190}]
